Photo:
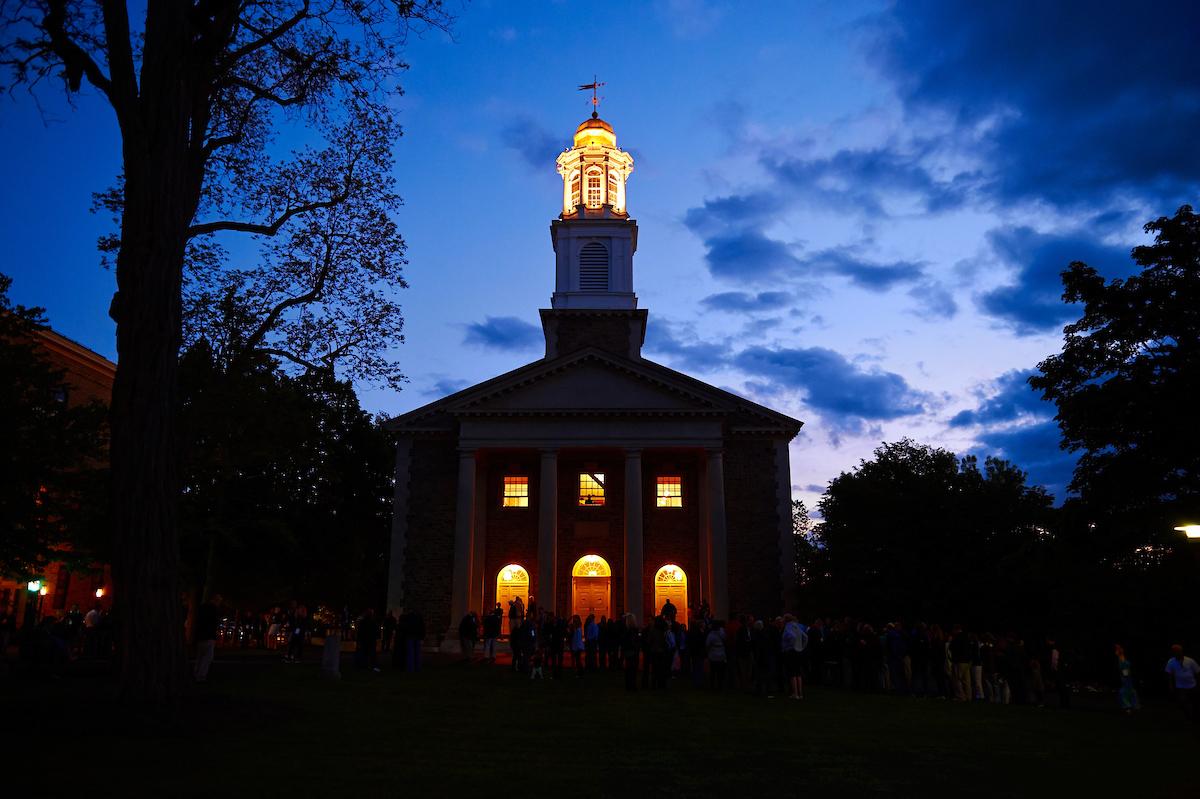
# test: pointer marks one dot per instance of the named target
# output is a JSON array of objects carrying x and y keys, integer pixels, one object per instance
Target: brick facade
[
  {"x": 429, "y": 558},
  {"x": 752, "y": 520}
]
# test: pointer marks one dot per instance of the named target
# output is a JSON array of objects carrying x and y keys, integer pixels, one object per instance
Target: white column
[
  {"x": 701, "y": 589},
  {"x": 395, "y": 591},
  {"x": 634, "y": 600},
  {"x": 479, "y": 536},
  {"x": 464, "y": 525},
  {"x": 547, "y": 583},
  {"x": 789, "y": 589},
  {"x": 718, "y": 548}
]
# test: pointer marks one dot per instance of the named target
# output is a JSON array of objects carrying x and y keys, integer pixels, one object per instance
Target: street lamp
[
  {"x": 1190, "y": 530},
  {"x": 99, "y": 593},
  {"x": 34, "y": 586}
]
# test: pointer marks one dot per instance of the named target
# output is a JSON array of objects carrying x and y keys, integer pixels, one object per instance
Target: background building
[{"x": 88, "y": 378}]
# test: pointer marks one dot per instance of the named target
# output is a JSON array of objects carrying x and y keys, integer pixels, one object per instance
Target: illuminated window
[
  {"x": 516, "y": 492},
  {"x": 574, "y": 189},
  {"x": 670, "y": 492},
  {"x": 612, "y": 189},
  {"x": 591, "y": 488},
  {"x": 594, "y": 186}
]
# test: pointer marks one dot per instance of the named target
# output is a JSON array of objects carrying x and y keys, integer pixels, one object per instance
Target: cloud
[
  {"x": 1012, "y": 399},
  {"x": 845, "y": 391},
  {"x": 1073, "y": 104},
  {"x": 870, "y": 275},
  {"x": 1033, "y": 303},
  {"x": 858, "y": 180},
  {"x": 1035, "y": 449},
  {"x": 1015, "y": 423},
  {"x": 736, "y": 211},
  {"x": 749, "y": 255},
  {"x": 537, "y": 146},
  {"x": 744, "y": 302},
  {"x": 694, "y": 354},
  {"x": 445, "y": 386},
  {"x": 503, "y": 333},
  {"x": 934, "y": 301}
]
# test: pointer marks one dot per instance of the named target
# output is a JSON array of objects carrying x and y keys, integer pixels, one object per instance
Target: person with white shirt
[{"x": 1182, "y": 671}]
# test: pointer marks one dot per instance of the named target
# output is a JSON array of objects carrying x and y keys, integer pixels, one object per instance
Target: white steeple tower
[{"x": 594, "y": 238}]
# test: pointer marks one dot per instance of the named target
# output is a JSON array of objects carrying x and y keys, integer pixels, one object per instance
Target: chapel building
[{"x": 592, "y": 479}]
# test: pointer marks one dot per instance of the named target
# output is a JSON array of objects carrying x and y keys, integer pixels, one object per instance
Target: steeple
[
  {"x": 594, "y": 238},
  {"x": 594, "y": 241}
]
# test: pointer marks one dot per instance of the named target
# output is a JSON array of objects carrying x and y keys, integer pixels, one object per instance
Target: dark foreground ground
[{"x": 266, "y": 728}]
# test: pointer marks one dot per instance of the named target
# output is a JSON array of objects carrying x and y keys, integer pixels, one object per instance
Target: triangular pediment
[
  {"x": 587, "y": 384},
  {"x": 591, "y": 381}
]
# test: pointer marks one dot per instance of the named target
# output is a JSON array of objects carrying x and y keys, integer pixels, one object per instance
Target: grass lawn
[{"x": 263, "y": 727}]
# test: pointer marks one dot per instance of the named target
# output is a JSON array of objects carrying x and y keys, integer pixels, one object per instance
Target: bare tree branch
[{"x": 271, "y": 228}]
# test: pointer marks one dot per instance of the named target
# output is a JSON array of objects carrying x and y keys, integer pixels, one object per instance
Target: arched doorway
[
  {"x": 591, "y": 587},
  {"x": 671, "y": 583},
  {"x": 511, "y": 582}
]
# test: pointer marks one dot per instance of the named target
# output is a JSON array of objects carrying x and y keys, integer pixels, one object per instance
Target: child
[{"x": 535, "y": 673}]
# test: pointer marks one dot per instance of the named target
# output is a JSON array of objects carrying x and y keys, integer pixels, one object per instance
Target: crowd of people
[
  {"x": 768, "y": 657},
  {"x": 779, "y": 656},
  {"x": 51, "y": 641}
]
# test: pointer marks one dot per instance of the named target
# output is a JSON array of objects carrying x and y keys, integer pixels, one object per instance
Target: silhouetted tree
[
  {"x": 287, "y": 485},
  {"x": 918, "y": 533},
  {"x": 51, "y": 452},
  {"x": 1127, "y": 384},
  {"x": 199, "y": 90}
]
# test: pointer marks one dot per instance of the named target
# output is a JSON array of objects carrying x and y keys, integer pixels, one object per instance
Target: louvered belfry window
[{"x": 593, "y": 267}]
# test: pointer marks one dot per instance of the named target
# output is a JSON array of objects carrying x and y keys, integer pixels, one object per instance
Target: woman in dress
[{"x": 1126, "y": 693}]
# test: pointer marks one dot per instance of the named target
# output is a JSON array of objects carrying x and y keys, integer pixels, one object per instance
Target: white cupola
[{"x": 594, "y": 238}]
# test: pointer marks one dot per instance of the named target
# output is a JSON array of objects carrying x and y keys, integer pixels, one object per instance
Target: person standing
[
  {"x": 367, "y": 638},
  {"x": 714, "y": 646},
  {"x": 793, "y": 643},
  {"x": 576, "y": 637},
  {"x": 960, "y": 656},
  {"x": 631, "y": 647},
  {"x": 468, "y": 634},
  {"x": 298, "y": 630},
  {"x": 389, "y": 631},
  {"x": 1182, "y": 671},
  {"x": 1126, "y": 693},
  {"x": 591, "y": 641},
  {"x": 491, "y": 631},
  {"x": 206, "y": 637}
]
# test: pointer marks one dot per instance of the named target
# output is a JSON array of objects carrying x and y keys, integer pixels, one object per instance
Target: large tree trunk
[
  {"x": 150, "y": 653},
  {"x": 162, "y": 187}
]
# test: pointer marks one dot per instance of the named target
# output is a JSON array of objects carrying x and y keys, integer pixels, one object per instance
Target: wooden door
[
  {"x": 591, "y": 597},
  {"x": 506, "y": 592},
  {"x": 677, "y": 593}
]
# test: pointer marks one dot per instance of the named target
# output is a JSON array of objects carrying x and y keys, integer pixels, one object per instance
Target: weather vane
[{"x": 594, "y": 86}]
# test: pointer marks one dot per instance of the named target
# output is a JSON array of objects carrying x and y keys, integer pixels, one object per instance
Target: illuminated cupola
[{"x": 594, "y": 238}]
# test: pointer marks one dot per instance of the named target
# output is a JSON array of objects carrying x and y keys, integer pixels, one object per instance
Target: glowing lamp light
[
  {"x": 44, "y": 591},
  {"x": 508, "y": 575},
  {"x": 676, "y": 575},
  {"x": 34, "y": 586},
  {"x": 99, "y": 593},
  {"x": 1190, "y": 530}
]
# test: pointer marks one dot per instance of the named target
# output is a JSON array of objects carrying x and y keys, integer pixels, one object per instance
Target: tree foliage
[
  {"x": 915, "y": 532},
  {"x": 51, "y": 452},
  {"x": 287, "y": 486},
  {"x": 1127, "y": 380}
]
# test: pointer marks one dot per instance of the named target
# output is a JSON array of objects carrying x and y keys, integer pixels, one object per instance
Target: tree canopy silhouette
[{"x": 1127, "y": 380}]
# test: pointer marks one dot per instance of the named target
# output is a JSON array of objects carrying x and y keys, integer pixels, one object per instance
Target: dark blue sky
[{"x": 854, "y": 212}]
